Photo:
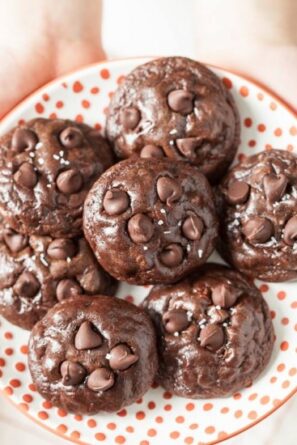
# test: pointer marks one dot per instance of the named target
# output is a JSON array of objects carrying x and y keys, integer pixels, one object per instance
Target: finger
[{"x": 20, "y": 75}]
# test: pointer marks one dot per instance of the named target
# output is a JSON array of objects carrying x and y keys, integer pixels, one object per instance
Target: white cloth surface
[
  {"x": 139, "y": 28},
  {"x": 148, "y": 28}
]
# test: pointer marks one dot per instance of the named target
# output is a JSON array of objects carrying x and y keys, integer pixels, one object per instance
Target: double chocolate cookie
[
  {"x": 178, "y": 108},
  {"x": 37, "y": 272},
  {"x": 46, "y": 170},
  {"x": 258, "y": 201},
  {"x": 150, "y": 221},
  {"x": 93, "y": 354},
  {"x": 214, "y": 333}
]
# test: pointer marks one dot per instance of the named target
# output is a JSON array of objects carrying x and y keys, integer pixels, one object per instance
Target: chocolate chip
[
  {"x": 204, "y": 295},
  {"x": 217, "y": 315},
  {"x": 129, "y": 118},
  {"x": 152, "y": 151},
  {"x": 192, "y": 227},
  {"x": 14, "y": 241},
  {"x": 87, "y": 338},
  {"x": 257, "y": 229},
  {"x": 69, "y": 181},
  {"x": 92, "y": 281},
  {"x": 61, "y": 249},
  {"x": 121, "y": 357},
  {"x": 26, "y": 285},
  {"x": 212, "y": 337},
  {"x": 67, "y": 288},
  {"x": 175, "y": 320},
  {"x": 26, "y": 176},
  {"x": 172, "y": 255},
  {"x": 100, "y": 380},
  {"x": 224, "y": 295},
  {"x": 140, "y": 228},
  {"x": 115, "y": 202},
  {"x": 188, "y": 146},
  {"x": 71, "y": 137},
  {"x": 23, "y": 139},
  {"x": 181, "y": 101},
  {"x": 168, "y": 190},
  {"x": 72, "y": 373},
  {"x": 238, "y": 192},
  {"x": 290, "y": 231},
  {"x": 274, "y": 187}
]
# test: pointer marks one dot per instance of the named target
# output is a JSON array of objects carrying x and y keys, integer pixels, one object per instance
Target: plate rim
[{"x": 273, "y": 95}]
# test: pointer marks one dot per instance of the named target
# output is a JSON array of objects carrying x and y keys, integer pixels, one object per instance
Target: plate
[{"x": 160, "y": 417}]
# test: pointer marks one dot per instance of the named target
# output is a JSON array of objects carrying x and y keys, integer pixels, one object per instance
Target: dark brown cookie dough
[
  {"x": 93, "y": 354},
  {"x": 258, "y": 204},
  {"x": 37, "y": 272},
  {"x": 150, "y": 221},
  {"x": 46, "y": 169},
  {"x": 175, "y": 107},
  {"x": 214, "y": 333}
]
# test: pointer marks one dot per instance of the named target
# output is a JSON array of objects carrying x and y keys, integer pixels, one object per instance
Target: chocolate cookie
[
  {"x": 37, "y": 272},
  {"x": 150, "y": 221},
  {"x": 175, "y": 107},
  {"x": 46, "y": 169},
  {"x": 93, "y": 354},
  {"x": 214, "y": 333},
  {"x": 258, "y": 201}
]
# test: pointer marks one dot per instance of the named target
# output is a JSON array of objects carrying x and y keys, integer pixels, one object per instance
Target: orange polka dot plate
[{"x": 160, "y": 417}]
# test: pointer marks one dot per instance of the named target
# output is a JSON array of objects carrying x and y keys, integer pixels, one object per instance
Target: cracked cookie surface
[
  {"x": 258, "y": 228},
  {"x": 177, "y": 108},
  {"x": 37, "y": 272},
  {"x": 93, "y": 354},
  {"x": 46, "y": 169},
  {"x": 151, "y": 221},
  {"x": 214, "y": 332}
]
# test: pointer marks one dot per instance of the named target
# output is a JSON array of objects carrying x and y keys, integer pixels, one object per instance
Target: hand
[
  {"x": 42, "y": 39},
  {"x": 257, "y": 39}
]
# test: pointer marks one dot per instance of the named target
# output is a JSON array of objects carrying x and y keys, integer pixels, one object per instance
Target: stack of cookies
[{"x": 153, "y": 200}]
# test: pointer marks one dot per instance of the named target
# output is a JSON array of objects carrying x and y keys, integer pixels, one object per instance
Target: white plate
[{"x": 159, "y": 417}]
